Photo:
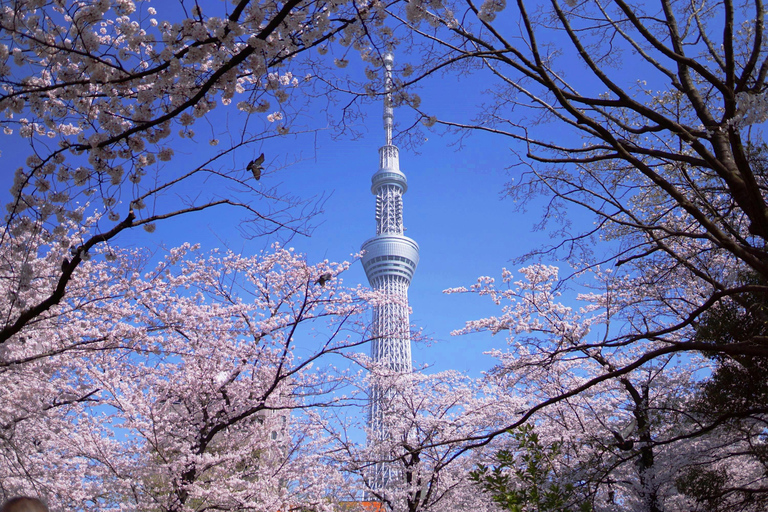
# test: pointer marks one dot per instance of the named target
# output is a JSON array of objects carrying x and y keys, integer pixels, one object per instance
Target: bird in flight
[
  {"x": 255, "y": 166},
  {"x": 324, "y": 278}
]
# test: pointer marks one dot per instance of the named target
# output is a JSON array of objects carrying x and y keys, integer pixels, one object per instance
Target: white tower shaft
[{"x": 389, "y": 260}]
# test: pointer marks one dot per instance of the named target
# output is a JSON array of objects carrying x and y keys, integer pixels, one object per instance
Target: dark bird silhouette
[
  {"x": 255, "y": 166},
  {"x": 324, "y": 279}
]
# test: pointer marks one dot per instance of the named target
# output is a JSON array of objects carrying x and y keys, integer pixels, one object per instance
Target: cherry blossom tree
[
  {"x": 97, "y": 98},
  {"x": 625, "y": 423},
  {"x": 180, "y": 387}
]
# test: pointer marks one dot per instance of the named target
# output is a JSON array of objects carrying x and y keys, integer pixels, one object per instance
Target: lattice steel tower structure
[{"x": 389, "y": 260}]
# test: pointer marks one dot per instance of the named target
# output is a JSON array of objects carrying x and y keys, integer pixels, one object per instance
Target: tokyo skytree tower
[{"x": 389, "y": 260}]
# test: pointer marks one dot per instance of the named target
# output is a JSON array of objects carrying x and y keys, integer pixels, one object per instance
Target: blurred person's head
[{"x": 23, "y": 504}]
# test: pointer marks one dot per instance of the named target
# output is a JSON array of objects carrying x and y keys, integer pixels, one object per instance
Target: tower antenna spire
[{"x": 389, "y": 115}]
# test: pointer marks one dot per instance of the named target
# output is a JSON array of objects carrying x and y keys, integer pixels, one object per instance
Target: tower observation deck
[{"x": 389, "y": 260}]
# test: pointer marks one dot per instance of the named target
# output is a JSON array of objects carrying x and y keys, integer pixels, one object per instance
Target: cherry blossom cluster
[
  {"x": 751, "y": 109},
  {"x": 180, "y": 384}
]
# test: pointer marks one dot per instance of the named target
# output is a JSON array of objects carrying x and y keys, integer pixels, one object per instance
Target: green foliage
[
  {"x": 526, "y": 480},
  {"x": 705, "y": 486},
  {"x": 739, "y": 383}
]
